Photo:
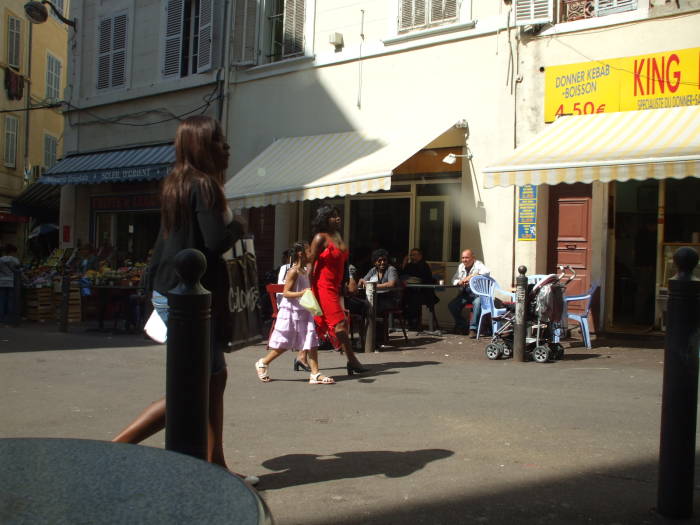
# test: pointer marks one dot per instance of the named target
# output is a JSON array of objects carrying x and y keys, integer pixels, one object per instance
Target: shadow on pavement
[
  {"x": 46, "y": 338},
  {"x": 380, "y": 369},
  {"x": 299, "y": 469},
  {"x": 624, "y": 495}
]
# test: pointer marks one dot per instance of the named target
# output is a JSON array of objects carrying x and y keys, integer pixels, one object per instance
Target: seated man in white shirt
[{"x": 468, "y": 268}]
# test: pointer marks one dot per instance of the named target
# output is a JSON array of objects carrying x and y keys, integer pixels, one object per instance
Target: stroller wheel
[
  {"x": 493, "y": 351},
  {"x": 540, "y": 354}
]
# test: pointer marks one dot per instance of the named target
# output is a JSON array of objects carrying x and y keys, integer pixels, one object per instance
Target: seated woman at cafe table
[
  {"x": 386, "y": 277},
  {"x": 416, "y": 270}
]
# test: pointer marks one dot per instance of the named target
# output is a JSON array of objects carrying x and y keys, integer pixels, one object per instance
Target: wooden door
[{"x": 570, "y": 236}]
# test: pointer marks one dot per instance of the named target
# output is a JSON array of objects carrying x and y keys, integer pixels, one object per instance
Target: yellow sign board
[{"x": 659, "y": 80}]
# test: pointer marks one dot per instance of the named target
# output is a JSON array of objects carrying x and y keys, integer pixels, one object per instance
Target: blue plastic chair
[
  {"x": 485, "y": 288},
  {"x": 582, "y": 318}
]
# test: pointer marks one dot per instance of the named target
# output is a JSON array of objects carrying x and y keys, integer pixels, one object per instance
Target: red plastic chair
[{"x": 272, "y": 291}]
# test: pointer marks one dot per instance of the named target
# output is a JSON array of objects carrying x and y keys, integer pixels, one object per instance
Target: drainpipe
[
  {"x": 28, "y": 103},
  {"x": 222, "y": 115}
]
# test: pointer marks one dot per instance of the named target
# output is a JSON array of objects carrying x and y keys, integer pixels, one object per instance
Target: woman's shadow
[{"x": 299, "y": 469}]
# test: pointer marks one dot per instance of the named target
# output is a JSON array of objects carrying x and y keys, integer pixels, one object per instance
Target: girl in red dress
[{"x": 328, "y": 256}]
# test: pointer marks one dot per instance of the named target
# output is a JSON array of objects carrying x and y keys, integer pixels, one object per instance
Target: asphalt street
[{"x": 434, "y": 433}]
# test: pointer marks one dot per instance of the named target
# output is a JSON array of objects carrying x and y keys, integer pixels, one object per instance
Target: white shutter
[
  {"x": 608, "y": 7},
  {"x": 53, "y": 78},
  {"x": 119, "y": 51},
  {"x": 50, "y": 146},
  {"x": 14, "y": 42},
  {"x": 529, "y": 12},
  {"x": 11, "y": 132},
  {"x": 245, "y": 23},
  {"x": 293, "y": 28},
  {"x": 205, "y": 49},
  {"x": 104, "y": 53},
  {"x": 412, "y": 14},
  {"x": 443, "y": 11},
  {"x": 172, "y": 46}
]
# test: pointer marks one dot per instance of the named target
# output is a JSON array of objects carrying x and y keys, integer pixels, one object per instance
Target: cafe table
[
  {"x": 437, "y": 288},
  {"x": 78, "y": 481}
]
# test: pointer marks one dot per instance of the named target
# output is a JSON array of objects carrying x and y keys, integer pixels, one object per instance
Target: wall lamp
[
  {"x": 451, "y": 158},
  {"x": 37, "y": 13}
]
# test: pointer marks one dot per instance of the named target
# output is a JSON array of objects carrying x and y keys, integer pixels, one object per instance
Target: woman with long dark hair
[
  {"x": 194, "y": 214},
  {"x": 328, "y": 256}
]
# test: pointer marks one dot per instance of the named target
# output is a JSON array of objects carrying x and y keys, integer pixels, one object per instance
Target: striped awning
[
  {"x": 124, "y": 165},
  {"x": 631, "y": 145},
  {"x": 331, "y": 165}
]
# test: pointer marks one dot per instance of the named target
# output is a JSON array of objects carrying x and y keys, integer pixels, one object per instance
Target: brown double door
[{"x": 570, "y": 236}]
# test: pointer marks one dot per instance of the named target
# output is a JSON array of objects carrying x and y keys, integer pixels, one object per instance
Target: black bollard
[
  {"x": 65, "y": 295},
  {"x": 188, "y": 368},
  {"x": 370, "y": 335},
  {"x": 520, "y": 326},
  {"x": 680, "y": 390}
]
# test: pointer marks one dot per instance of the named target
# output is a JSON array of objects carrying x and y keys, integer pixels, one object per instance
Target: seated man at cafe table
[
  {"x": 468, "y": 268},
  {"x": 416, "y": 270},
  {"x": 386, "y": 277}
]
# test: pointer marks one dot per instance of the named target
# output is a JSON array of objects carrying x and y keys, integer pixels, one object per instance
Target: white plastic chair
[
  {"x": 485, "y": 288},
  {"x": 582, "y": 318}
]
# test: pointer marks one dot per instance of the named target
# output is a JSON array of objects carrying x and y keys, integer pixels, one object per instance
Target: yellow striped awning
[
  {"x": 631, "y": 145},
  {"x": 330, "y": 165}
]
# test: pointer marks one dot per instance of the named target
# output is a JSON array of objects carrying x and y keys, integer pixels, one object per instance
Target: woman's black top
[{"x": 207, "y": 233}]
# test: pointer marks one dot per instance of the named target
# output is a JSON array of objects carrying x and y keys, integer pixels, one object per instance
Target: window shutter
[
  {"x": 14, "y": 46},
  {"x": 172, "y": 46},
  {"x": 53, "y": 78},
  {"x": 608, "y": 7},
  {"x": 412, "y": 14},
  {"x": 293, "y": 28},
  {"x": 50, "y": 144},
  {"x": 529, "y": 12},
  {"x": 206, "y": 36},
  {"x": 443, "y": 11},
  {"x": 11, "y": 131},
  {"x": 121, "y": 25},
  {"x": 245, "y": 24},
  {"x": 104, "y": 53}
]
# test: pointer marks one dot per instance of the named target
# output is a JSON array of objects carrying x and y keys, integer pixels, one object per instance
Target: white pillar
[{"x": 67, "y": 217}]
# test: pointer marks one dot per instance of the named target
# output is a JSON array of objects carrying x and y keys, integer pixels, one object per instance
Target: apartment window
[
  {"x": 286, "y": 25},
  {"x": 53, "y": 77},
  {"x": 421, "y": 14},
  {"x": 50, "y": 146},
  {"x": 11, "y": 132},
  {"x": 112, "y": 41},
  {"x": 14, "y": 47},
  {"x": 570, "y": 10},
  {"x": 188, "y": 46}
]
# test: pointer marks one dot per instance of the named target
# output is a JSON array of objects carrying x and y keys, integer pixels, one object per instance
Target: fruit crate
[
  {"x": 74, "y": 305},
  {"x": 38, "y": 304}
]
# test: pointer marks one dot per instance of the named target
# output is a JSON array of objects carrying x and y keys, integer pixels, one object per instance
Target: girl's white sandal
[{"x": 318, "y": 379}]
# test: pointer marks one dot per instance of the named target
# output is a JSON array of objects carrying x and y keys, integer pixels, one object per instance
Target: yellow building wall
[{"x": 49, "y": 37}]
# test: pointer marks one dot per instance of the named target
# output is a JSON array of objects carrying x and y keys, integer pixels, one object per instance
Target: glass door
[{"x": 433, "y": 228}]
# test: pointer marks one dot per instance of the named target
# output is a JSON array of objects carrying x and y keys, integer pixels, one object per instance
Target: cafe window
[{"x": 126, "y": 235}]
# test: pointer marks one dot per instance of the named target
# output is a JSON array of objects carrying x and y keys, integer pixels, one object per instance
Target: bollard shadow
[
  {"x": 579, "y": 357},
  {"x": 300, "y": 469}
]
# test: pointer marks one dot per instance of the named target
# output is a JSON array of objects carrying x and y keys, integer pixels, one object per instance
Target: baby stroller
[{"x": 546, "y": 320}]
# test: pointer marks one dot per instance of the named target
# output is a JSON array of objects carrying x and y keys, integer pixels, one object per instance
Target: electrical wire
[{"x": 209, "y": 99}]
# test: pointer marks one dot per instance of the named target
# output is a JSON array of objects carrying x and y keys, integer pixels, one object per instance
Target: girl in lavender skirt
[{"x": 294, "y": 327}]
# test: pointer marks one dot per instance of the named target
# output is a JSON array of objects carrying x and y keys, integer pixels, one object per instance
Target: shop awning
[
  {"x": 124, "y": 165},
  {"x": 331, "y": 165},
  {"x": 37, "y": 200},
  {"x": 631, "y": 145}
]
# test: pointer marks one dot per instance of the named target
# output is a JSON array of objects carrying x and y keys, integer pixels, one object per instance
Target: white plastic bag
[
  {"x": 156, "y": 329},
  {"x": 308, "y": 301}
]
